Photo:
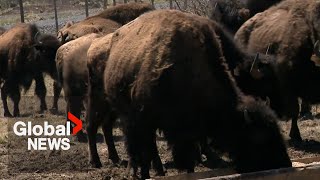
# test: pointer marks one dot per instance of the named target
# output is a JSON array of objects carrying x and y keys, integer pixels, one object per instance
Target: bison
[
  {"x": 289, "y": 30},
  {"x": 104, "y": 22},
  {"x": 99, "y": 112},
  {"x": 72, "y": 60},
  {"x": 232, "y": 14},
  {"x": 25, "y": 55},
  {"x": 166, "y": 70}
]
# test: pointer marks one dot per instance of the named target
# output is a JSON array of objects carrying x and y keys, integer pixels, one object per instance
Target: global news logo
[{"x": 47, "y": 136}]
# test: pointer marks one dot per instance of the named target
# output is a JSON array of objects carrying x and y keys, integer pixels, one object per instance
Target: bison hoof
[
  {"x": 54, "y": 110},
  {"x": 82, "y": 137},
  {"x": 115, "y": 160},
  {"x": 7, "y": 114},
  {"x": 16, "y": 114},
  {"x": 295, "y": 137},
  {"x": 96, "y": 164}
]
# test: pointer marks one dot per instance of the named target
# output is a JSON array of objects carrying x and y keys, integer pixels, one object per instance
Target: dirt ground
[{"x": 16, "y": 162}]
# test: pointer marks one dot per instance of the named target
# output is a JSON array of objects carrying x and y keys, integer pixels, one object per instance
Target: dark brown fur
[
  {"x": 166, "y": 70},
  {"x": 290, "y": 29},
  {"x": 25, "y": 55}
]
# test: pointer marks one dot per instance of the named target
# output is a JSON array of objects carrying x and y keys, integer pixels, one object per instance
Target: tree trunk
[
  {"x": 152, "y": 3},
  {"x": 114, "y": 2},
  {"x": 87, "y": 8},
  {"x": 185, "y": 4},
  {"x": 56, "y": 14},
  {"x": 21, "y": 11},
  {"x": 170, "y": 4},
  {"x": 105, "y": 4}
]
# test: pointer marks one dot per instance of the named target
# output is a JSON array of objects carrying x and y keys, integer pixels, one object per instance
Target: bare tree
[
  {"x": 152, "y": 3},
  {"x": 105, "y": 4},
  {"x": 170, "y": 4},
  {"x": 56, "y": 14},
  {"x": 21, "y": 11}
]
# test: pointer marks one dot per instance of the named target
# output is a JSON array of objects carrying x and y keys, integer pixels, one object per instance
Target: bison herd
[{"x": 222, "y": 82}]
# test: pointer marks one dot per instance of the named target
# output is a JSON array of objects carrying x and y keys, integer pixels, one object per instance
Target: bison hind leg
[{"x": 4, "y": 95}]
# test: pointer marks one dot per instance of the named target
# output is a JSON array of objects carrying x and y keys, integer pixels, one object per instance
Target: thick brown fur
[
  {"x": 166, "y": 70},
  {"x": 124, "y": 13},
  {"x": 104, "y": 22},
  {"x": 25, "y": 55},
  {"x": 290, "y": 30}
]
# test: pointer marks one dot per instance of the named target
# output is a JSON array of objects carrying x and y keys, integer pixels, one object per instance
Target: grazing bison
[
  {"x": 25, "y": 55},
  {"x": 289, "y": 30},
  {"x": 104, "y": 22},
  {"x": 166, "y": 70},
  {"x": 72, "y": 59},
  {"x": 71, "y": 62},
  {"x": 232, "y": 14},
  {"x": 99, "y": 111}
]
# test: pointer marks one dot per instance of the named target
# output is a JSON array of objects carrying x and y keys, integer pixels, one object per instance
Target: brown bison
[
  {"x": 289, "y": 31},
  {"x": 166, "y": 70},
  {"x": 232, "y": 14},
  {"x": 99, "y": 111},
  {"x": 71, "y": 62},
  {"x": 25, "y": 55},
  {"x": 104, "y": 22}
]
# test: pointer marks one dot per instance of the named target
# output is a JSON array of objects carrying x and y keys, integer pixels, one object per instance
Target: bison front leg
[
  {"x": 140, "y": 138},
  {"x": 41, "y": 92},
  {"x": 4, "y": 95},
  {"x": 294, "y": 131},
  {"x": 15, "y": 95}
]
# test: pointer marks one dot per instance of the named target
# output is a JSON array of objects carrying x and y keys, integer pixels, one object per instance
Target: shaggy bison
[
  {"x": 71, "y": 62},
  {"x": 104, "y": 22},
  {"x": 289, "y": 30},
  {"x": 232, "y": 14},
  {"x": 99, "y": 111},
  {"x": 166, "y": 70},
  {"x": 25, "y": 55}
]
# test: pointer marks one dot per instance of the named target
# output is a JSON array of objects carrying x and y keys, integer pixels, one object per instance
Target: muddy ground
[{"x": 16, "y": 162}]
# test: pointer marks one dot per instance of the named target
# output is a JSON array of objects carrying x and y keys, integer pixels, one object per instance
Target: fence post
[
  {"x": 105, "y": 4},
  {"x": 87, "y": 9},
  {"x": 56, "y": 14},
  {"x": 21, "y": 11}
]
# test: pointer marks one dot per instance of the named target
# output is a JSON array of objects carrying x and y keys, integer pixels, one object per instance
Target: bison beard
[
  {"x": 166, "y": 70},
  {"x": 26, "y": 54}
]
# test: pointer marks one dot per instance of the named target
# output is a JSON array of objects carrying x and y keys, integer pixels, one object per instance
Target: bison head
[
  {"x": 46, "y": 47},
  {"x": 261, "y": 144},
  {"x": 63, "y": 32}
]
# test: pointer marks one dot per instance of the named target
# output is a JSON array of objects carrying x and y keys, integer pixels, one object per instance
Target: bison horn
[
  {"x": 317, "y": 48},
  {"x": 254, "y": 61},
  {"x": 268, "y": 49},
  {"x": 246, "y": 116},
  {"x": 267, "y": 101},
  {"x": 36, "y": 38}
]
